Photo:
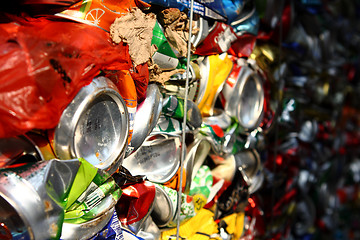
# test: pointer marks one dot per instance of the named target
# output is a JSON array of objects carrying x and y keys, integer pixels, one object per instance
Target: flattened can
[
  {"x": 164, "y": 57},
  {"x": 218, "y": 41},
  {"x": 158, "y": 158},
  {"x": 87, "y": 229},
  {"x": 204, "y": 27},
  {"x": 32, "y": 199},
  {"x": 164, "y": 208},
  {"x": 136, "y": 204},
  {"x": 94, "y": 126},
  {"x": 147, "y": 115},
  {"x": 187, "y": 208},
  {"x": 243, "y": 96},
  {"x": 216, "y": 69}
]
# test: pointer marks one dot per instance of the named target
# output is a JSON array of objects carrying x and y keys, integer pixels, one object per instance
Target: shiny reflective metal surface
[
  {"x": 173, "y": 105},
  {"x": 257, "y": 181},
  {"x": 194, "y": 118},
  {"x": 147, "y": 115},
  {"x": 245, "y": 100},
  {"x": 94, "y": 126},
  {"x": 248, "y": 161},
  {"x": 137, "y": 226},
  {"x": 150, "y": 230},
  {"x": 219, "y": 118},
  {"x": 247, "y": 22},
  {"x": 203, "y": 26},
  {"x": 31, "y": 199},
  {"x": 249, "y": 164},
  {"x": 169, "y": 125},
  {"x": 20, "y": 148},
  {"x": 86, "y": 230},
  {"x": 195, "y": 157},
  {"x": 163, "y": 211},
  {"x": 158, "y": 158}
]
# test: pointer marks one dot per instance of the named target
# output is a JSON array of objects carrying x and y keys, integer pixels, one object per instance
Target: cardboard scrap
[
  {"x": 135, "y": 29},
  {"x": 159, "y": 76},
  {"x": 176, "y": 29}
]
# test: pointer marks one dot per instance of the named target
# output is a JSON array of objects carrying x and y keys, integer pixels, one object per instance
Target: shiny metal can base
[{"x": 94, "y": 126}]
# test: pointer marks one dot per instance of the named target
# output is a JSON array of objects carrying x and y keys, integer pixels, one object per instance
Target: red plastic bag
[
  {"x": 43, "y": 64},
  {"x": 141, "y": 79}
]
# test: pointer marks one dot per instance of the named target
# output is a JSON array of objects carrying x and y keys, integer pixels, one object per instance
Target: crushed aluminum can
[
  {"x": 18, "y": 150},
  {"x": 243, "y": 46},
  {"x": 219, "y": 40},
  {"x": 249, "y": 163},
  {"x": 94, "y": 126},
  {"x": 203, "y": 26},
  {"x": 176, "y": 84},
  {"x": 150, "y": 230},
  {"x": 257, "y": 181},
  {"x": 87, "y": 229},
  {"x": 230, "y": 9},
  {"x": 128, "y": 235},
  {"x": 215, "y": 135},
  {"x": 167, "y": 124},
  {"x": 196, "y": 154},
  {"x": 136, "y": 204},
  {"x": 158, "y": 158},
  {"x": 112, "y": 230},
  {"x": 201, "y": 186},
  {"x": 187, "y": 209},
  {"x": 174, "y": 182},
  {"x": 33, "y": 198},
  {"x": 233, "y": 197},
  {"x": 147, "y": 115},
  {"x": 96, "y": 200},
  {"x": 164, "y": 57},
  {"x": 215, "y": 69},
  {"x": 229, "y": 143},
  {"x": 219, "y": 118},
  {"x": 164, "y": 208},
  {"x": 225, "y": 143},
  {"x": 305, "y": 216},
  {"x": 243, "y": 96},
  {"x": 201, "y": 226},
  {"x": 174, "y": 107}
]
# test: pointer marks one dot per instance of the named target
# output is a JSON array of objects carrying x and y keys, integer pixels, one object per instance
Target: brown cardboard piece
[
  {"x": 176, "y": 29},
  {"x": 135, "y": 29}
]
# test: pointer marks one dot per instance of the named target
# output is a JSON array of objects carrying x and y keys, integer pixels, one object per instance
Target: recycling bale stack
[{"x": 92, "y": 133}]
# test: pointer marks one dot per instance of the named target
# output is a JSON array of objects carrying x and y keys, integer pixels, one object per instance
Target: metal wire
[{"x": 183, "y": 148}]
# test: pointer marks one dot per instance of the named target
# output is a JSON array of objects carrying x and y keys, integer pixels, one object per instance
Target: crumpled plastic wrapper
[
  {"x": 135, "y": 29},
  {"x": 176, "y": 29}
]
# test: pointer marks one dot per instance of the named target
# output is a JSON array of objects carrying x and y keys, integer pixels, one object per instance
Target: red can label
[{"x": 218, "y": 41}]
